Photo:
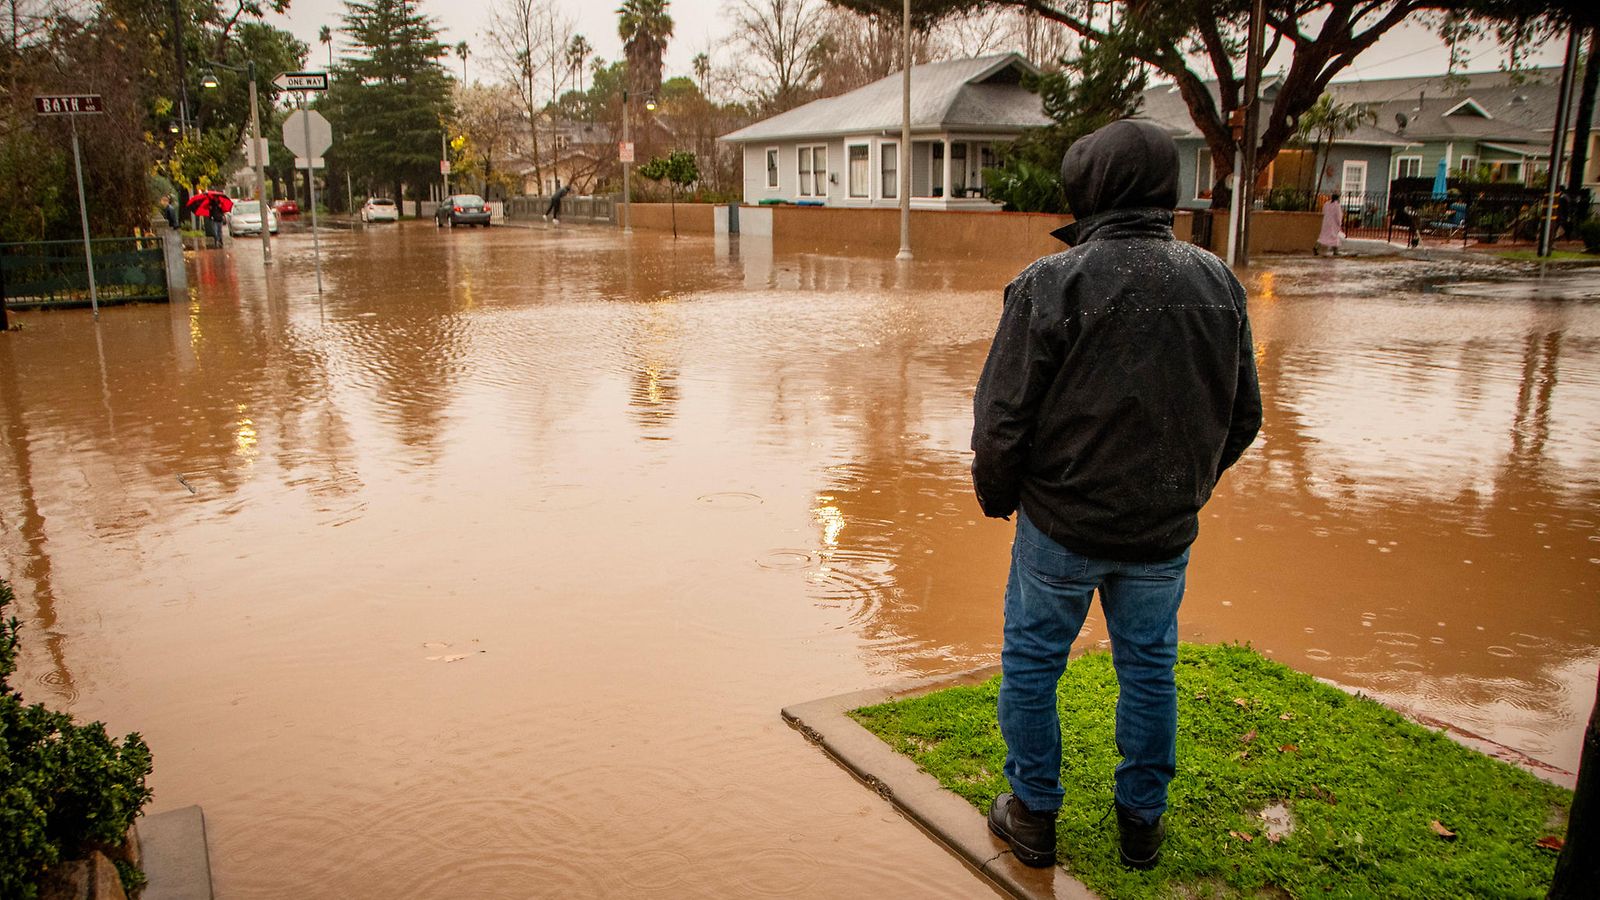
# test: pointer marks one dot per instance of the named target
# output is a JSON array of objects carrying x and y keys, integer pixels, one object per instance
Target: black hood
[{"x": 1129, "y": 164}]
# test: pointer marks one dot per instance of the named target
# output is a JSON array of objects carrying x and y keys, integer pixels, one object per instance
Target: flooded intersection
[{"x": 488, "y": 573}]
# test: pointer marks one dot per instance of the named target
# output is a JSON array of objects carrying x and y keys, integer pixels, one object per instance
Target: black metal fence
[
  {"x": 1417, "y": 216},
  {"x": 574, "y": 207},
  {"x": 51, "y": 274}
]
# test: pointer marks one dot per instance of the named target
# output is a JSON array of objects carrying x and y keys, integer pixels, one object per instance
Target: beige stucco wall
[
  {"x": 939, "y": 234},
  {"x": 693, "y": 218}
]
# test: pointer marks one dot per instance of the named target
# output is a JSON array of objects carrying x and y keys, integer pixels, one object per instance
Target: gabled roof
[{"x": 984, "y": 94}]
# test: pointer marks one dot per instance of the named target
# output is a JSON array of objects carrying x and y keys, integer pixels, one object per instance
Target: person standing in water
[
  {"x": 1332, "y": 234},
  {"x": 1121, "y": 384}
]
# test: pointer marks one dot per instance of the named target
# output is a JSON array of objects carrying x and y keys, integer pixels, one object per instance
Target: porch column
[{"x": 947, "y": 167}]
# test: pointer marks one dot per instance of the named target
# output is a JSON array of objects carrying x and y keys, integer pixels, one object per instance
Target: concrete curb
[
  {"x": 173, "y": 850},
  {"x": 918, "y": 796}
]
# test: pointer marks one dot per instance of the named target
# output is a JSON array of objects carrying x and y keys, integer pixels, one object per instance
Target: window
[
  {"x": 986, "y": 160},
  {"x": 1408, "y": 167},
  {"x": 1204, "y": 177},
  {"x": 772, "y": 168},
  {"x": 813, "y": 169},
  {"x": 1352, "y": 178},
  {"x": 936, "y": 169},
  {"x": 1469, "y": 165},
  {"x": 889, "y": 170},
  {"x": 860, "y": 169}
]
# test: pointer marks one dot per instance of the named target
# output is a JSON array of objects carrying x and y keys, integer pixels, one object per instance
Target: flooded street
[{"x": 488, "y": 574}]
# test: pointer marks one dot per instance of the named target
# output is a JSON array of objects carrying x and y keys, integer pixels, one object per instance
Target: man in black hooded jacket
[{"x": 1120, "y": 385}]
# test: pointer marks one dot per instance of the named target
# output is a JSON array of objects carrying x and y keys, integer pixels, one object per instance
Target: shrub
[
  {"x": 1589, "y": 231},
  {"x": 66, "y": 790}
]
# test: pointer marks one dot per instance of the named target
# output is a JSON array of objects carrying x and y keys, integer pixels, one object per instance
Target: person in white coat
[{"x": 1332, "y": 236}]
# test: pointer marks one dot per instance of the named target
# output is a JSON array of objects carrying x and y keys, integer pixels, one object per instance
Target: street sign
[
  {"x": 68, "y": 105},
  {"x": 302, "y": 81},
  {"x": 252, "y": 148},
  {"x": 318, "y": 163},
  {"x": 307, "y": 133},
  {"x": 625, "y": 151},
  {"x": 444, "y": 167}
]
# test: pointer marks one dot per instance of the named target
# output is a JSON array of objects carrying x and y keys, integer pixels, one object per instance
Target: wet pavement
[{"x": 488, "y": 574}]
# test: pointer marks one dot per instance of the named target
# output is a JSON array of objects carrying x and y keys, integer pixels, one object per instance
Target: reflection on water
[{"x": 658, "y": 490}]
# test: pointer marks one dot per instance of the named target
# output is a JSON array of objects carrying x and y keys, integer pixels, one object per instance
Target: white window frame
[
  {"x": 1349, "y": 165},
  {"x": 774, "y": 160},
  {"x": 1467, "y": 165},
  {"x": 1204, "y": 172},
  {"x": 1400, "y": 166},
  {"x": 813, "y": 180},
  {"x": 849, "y": 172},
  {"x": 890, "y": 189}
]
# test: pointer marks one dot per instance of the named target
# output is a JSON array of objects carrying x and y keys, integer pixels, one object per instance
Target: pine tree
[{"x": 390, "y": 95}]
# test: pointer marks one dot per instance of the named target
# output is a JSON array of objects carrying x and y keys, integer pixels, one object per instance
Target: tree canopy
[{"x": 390, "y": 95}]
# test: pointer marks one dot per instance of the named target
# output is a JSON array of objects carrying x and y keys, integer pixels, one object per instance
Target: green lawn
[
  {"x": 1363, "y": 785},
  {"x": 1555, "y": 256}
]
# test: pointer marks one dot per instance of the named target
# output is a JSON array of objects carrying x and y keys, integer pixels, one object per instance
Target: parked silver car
[
  {"x": 245, "y": 218},
  {"x": 380, "y": 209}
]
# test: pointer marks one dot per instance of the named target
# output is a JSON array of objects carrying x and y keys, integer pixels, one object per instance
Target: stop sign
[{"x": 297, "y": 139}]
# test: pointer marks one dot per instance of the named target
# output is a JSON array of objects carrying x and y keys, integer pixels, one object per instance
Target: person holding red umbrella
[{"x": 211, "y": 206}]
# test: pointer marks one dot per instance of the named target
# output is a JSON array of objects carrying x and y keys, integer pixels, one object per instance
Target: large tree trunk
[
  {"x": 1578, "y": 869},
  {"x": 1585, "y": 122}
]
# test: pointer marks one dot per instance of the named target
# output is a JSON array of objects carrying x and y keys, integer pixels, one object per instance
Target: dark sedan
[{"x": 462, "y": 209}]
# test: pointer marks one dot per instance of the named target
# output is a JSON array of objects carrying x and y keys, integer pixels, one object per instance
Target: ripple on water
[
  {"x": 1318, "y": 654},
  {"x": 1502, "y": 652},
  {"x": 729, "y": 500},
  {"x": 786, "y": 558}
]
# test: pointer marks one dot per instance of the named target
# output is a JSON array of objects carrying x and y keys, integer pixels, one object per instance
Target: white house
[{"x": 844, "y": 150}]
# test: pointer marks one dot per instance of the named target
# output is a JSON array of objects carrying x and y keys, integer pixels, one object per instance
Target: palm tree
[
  {"x": 644, "y": 27},
  {"x": 325, "y": 36},
  {"x": 578, "y": 51},
  {"x": 702, "y": 69},
  {"x": 463, "y": 51}
]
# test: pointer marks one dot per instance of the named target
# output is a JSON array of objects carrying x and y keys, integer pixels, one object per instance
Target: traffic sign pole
[
  {"x": 83, "y": 216},
  {"x": 311, "y": 186}
]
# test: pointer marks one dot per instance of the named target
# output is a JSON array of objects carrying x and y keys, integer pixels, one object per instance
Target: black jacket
[{"x": 1122, "y": 379}]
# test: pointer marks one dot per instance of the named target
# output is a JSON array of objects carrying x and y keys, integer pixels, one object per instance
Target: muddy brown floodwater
[{"x": 488, "y": 575}]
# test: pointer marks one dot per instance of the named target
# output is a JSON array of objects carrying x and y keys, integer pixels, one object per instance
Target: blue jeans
[{"x": 1047, "y": 597}]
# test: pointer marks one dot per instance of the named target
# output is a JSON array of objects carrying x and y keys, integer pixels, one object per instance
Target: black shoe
[
  {"x": 1140, "y": 841},
  {"x": 1032, "y": 835}
]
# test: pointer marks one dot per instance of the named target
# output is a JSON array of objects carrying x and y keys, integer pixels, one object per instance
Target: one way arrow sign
[{"x": 302, "y": 81}]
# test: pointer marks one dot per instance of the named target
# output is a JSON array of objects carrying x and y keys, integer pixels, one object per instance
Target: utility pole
[
  {"x": 256, "y": 152},
  {"x": 1558, "y": 142},
  {"x": 444, "y": 163},
  {"x": 905, "y": 132}
]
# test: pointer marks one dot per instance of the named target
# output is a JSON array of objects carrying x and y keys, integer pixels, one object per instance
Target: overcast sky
[{"x": 699, "y": 27}]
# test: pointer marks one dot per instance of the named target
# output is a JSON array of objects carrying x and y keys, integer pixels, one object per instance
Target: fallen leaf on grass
[
  {"x": 1286, "y": 716},
  {"x": 1275, "y": 838},
  {"x": 1249, "y": 736},
  {"x": 1288, "y": 748},
  {"x": 1550, "y": 842},
  {"x": 1240, "y": 701},
  {"x": 1247, "y": 838},
  {"x": 1200, "y": 696},
  {"x": 1442, "y": 831}
]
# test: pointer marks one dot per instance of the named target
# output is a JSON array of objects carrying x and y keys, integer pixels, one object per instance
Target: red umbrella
[{"x": 200, "y": 203}]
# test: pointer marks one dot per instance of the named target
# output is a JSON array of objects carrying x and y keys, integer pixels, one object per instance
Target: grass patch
[
  {"x": 1555, "y": 256},
  {"x": 1363, "y": 785}
]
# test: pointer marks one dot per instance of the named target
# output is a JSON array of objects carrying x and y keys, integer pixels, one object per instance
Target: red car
[{"x": 286, "y": 207}]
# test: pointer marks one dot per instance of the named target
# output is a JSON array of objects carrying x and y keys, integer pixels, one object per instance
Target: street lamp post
[
  {"x": 211, "y": 81},
  {"x": 904, "y": 162},
  {"x": 627, "y": 167}
]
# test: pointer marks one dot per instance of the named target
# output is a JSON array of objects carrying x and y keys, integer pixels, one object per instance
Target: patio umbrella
[
  {"x": 1441, "y": 187},
  {"x": 200, "y": 203}
]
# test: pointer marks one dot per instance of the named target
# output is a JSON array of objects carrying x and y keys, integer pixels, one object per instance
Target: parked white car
[
  {"x": 380, "y": 209},
  {"x": 245, "y": 218}
]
